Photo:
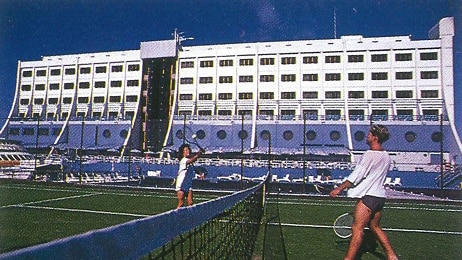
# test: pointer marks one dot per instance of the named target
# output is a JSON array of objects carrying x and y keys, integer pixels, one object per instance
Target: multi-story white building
[{"x": 311, "y": 97}]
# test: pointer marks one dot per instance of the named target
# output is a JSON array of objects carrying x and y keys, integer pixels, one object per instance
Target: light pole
[{"x": 304, "y": 152}]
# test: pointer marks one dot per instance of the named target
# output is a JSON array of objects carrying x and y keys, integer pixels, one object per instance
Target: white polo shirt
[{"x": 369, "y": 175}]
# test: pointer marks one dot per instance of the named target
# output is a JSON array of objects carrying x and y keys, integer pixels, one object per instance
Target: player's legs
[
  {"x": 381, "y": 236},
  {"x": 190, "y": 198},
  {"x": 180, "y": 195},
  {"x": 362, "y": 216}
]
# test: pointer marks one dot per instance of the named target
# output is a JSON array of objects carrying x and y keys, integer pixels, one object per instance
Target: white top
[
  {"x": 183, "y": 168},
  {"x": 369, "y": 175}
]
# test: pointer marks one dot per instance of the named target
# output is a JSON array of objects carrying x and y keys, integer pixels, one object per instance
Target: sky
[{"x": 30, "y": 29}]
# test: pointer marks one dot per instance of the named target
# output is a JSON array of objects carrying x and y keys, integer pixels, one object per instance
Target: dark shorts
[{"x": 375, "y": 204}]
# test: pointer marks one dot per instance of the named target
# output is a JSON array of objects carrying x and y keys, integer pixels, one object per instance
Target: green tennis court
[{"x": 36, "y": 213}]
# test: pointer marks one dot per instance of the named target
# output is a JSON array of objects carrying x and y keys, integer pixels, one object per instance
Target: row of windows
[
  {"x": 82, "y": 85},
  {"x": 80, "y": 100},
  {"x": 310, "y": 135},
  {"x": 314, "y": 95},
  {"x": 357, "y": 76},
  {"x": 354, "y": 58},
  {"x": 82, "y": 70},
  {"x": 329, "y": 114}
]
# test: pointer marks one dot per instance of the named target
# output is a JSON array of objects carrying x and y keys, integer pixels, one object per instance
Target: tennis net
[{"x": 225, "y": 227}]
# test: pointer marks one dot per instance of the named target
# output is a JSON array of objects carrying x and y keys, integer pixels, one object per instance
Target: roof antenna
[{"x": 335, "y": 23}]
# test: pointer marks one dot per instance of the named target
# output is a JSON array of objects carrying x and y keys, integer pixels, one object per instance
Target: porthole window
[
  {"x": 265, "y": 135},
  {"x": 311, "y": 135},
  {"x": 107, "y": 133},
  {"x": 123, "y": 133},
  {"x": 410, "y": 137},
  {"x": 243, "y": 134},
  {"x": 200, "y": 134},
  {"x": 221, "y": 134},
  {"x": 179, "y": 134},
  {"x": 436, "y": 137},
  {"x": 334, "y": 135},
  {"x": 288, "y": 135},
  {"x": 359, "y": 136}
]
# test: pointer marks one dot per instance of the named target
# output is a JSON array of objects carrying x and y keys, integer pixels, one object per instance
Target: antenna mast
[{"x": 335, "y": 23}]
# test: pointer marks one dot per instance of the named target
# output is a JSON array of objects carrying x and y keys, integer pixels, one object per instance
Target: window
[
  {"x": 115, "y": 99},
  {"x": 310, "y": 60},
  {"x": 67, "y": 100},
  {"x": 40, "y": 87},
  {"x": 403, "y": 56},
  {"x": 82, "y": 100},
  {"x": 266, "y": 95},
  {"x": 83, "y": 85},
  {"x": 246, "y": 95},
  {"x": 429, "y": 74},
  {"x": 332, "y": 94},
  {"x": 332, "y": 114},
  {"x": 267, "y": 61},
  {"x": 310, "y": 94},
  {"x": 14, "y": 131},
  {"x": 379, "y": 75},
  {"x": 226, "y": 63},
  {"x": 288, "y": 60},
  {"x": 26, "y": 87},
  {"x": 116, "y": 84},
  {"x": 355, "y": 58},
  {"x": 100, "y": 84},
  {"x": 117, "y": 68},
  {"x": 28, "y": 131},
  {"x": 27, "y": 73},
  {"x": 379, "y": 57},
  {"x": 266, "y": 78},
  {"x": 429, "y": 56},
  {"x": 205, "y": 80},
  {"x": 187, "y": 64},
  {"x": 186, "y": 80},
  {"x": 206, "y": 63},
  {"x": 98, "y": 100},
  {"x": 246, "y": 62},
  {"x": 287, "y": 95},
  {"x": 225, "y": 79},
  {"x": 100, "y": 69},
  {"x": 55, "y": 72},
  {"x": 355, "y": 94},
  {"x": 247, "y": 78},
  {"x": 404, "y": 94},
  {"x": 332, "y": 77},
  {"x": 266, "y": 112},
  {"x": 355, "y": 76},
  {"x": 225, "y": 96},
  {"x": 204, "y": 112},
  {"x": 289, "y": 113},
  {"x": 133, "y": 83},
  {"x": 69, "y": 71},
  {"x": 41, "y": 73},
  {"x": 131, "y": 98},
  {"x": 403, "y": 75},
  {"x": 54, "y": 86},
  {"x": 380, "y": 94},
  {"x": 223, "y": 113},
  {"x": 310, "y": 77},
  {"x": 205, "y": 96},
  {"x": 24, "y": 101},
  {"x": 186, "y": 96},
  {"x": 85, "y": 70},
  {"x": 244, "y": 113},
  {"x": 333, "y": 59},
  {"x": 288, "y": 77},
  {"x": 69, "y": 85},
  {"x": 133, "y": 67},
  {"x": 429, "y": 93}
]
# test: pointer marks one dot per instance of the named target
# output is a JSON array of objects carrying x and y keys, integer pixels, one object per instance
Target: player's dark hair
[
  {"x": 381, "y": 132},
  {"x": 181, "y": 149}
]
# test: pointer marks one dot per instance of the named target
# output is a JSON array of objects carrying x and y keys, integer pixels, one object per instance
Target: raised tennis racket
[{"x": 343, "y": 224}]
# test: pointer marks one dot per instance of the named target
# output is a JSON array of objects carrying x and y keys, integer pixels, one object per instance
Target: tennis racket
[
  {"x": 343, "y": 224},
  {"x": 194, "y": 141}
]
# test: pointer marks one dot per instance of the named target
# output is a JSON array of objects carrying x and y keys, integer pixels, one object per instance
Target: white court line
[
  {"x": 385, "y": 229},
  {"x": 85, "y": 211},
  {"x": 48, "y": 200}
]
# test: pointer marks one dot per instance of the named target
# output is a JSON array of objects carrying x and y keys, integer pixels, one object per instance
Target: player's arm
[
  {"x": 194, "y": 158},
  {"x": 345, "y": 185}
]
